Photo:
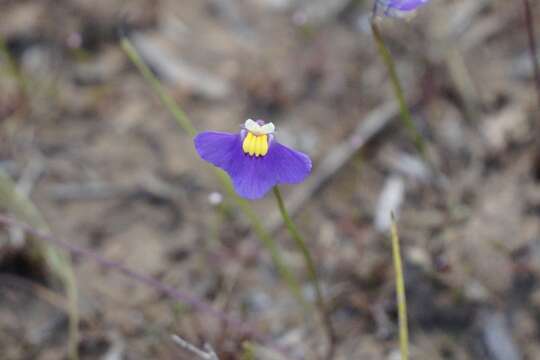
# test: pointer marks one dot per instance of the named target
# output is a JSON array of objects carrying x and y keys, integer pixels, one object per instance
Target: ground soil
[{"x": 86, "y": 137}]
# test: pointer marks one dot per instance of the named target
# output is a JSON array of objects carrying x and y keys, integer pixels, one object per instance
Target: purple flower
[
  {"x": 253, "y": 158},
  {"x": 399, "y": 8}
]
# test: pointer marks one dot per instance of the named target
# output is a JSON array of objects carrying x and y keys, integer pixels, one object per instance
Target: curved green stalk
[
  {"x": 13, "y": 68},
  {"x": 185, "y": 123},
  {"x": 268, "y": 242},
  {"x": 312, "y": 271},
  {"x": 60, "y": 263},
  {"x": 179, "y": 115},
  {"x": 249, "y": 351},
  {"x": 405, "y": 113},
  {"x": 400, "y": 293}
]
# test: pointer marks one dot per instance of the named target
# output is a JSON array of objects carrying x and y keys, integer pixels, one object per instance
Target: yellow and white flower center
[
  {"x": 256, "y": 141},
  {"x": 255, "y": 145}
]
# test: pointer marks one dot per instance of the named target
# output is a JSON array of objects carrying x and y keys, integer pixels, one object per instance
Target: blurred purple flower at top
[
  {"x": 398, "y": 8},
  {"x": 253, "y": 158}
]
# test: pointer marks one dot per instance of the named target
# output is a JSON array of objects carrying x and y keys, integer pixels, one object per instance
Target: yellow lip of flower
[{"x": 255, "y": 145}]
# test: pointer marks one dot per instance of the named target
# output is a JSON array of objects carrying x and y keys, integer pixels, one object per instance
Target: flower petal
[
  {"x": 289, "y": 166},
  {"x": 250, "y": 176},
  {"x": 218, "y": 148},
  {"x": 254, "y": 176},
  {"x": 406, "y": 5}
]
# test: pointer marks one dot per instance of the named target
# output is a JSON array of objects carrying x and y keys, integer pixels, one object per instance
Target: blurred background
[{"x": 88, "y": 141}]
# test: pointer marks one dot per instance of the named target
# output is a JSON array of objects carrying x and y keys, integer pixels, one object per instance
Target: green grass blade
[
  {"x": 312, "y": 271},
  {"x": 400, "y": 293},
  {"x": 405, "y": 113},
  {"x": 59, "y": 263},
  {"x": 12, "y": 67},
  {"x": 179, "y": 115}
]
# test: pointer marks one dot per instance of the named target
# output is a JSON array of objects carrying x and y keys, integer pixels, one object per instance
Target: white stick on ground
[
  {"x": 207, "y": 354},
  {"x": 372, "y": 125}
]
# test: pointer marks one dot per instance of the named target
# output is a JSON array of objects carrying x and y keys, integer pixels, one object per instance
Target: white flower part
[
  {"x": 215, "y": 198},
  {"x": 256, "y": 129}
]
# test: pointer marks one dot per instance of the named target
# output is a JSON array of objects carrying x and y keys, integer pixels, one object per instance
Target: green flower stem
[
  {"x": 312, "y": 271},
  {"x": 267, "y": 241},
  {"x": 185, "y": 123},
  {"x": 400, "y": 293},
  {"x": 60, "y": 263},
  {"x": 179, "y": 115},
  {"x": 249, "y": 351},
  {"x": 13, "y": 68},
  {"x": 406, "y": 117}
]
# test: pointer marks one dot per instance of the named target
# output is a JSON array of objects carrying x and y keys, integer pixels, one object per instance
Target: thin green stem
[
  {"x": 267, "y": 241},
  {"x": 249, "y": 351},
  {"x": 312, "y": 271},
  {"x": 179, "y": 115},
  {"x": 406, "y": 117},
  {"x": 23, "y": 208},
  {"x": 13, "y": 68},
  {"x": 59, "y": 263},
  {"x": 185, "y": 123},
  {"x": 400, "y": 293}
]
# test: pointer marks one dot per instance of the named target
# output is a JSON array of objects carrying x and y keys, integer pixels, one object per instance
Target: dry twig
[
  {"x": 179, "y": 295},
  {"x": 373, "y": 124},
  {"x": 207, "y": 354}
]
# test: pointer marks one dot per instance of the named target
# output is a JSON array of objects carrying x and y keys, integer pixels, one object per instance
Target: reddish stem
[
  {"x": 200, "y": 305},
  {"x": 532, "y": 44}
]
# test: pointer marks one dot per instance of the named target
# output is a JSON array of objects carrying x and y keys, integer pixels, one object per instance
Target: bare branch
[
  {"x": 177, "y": 294},
  {"x": 207, "y": 354}
]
